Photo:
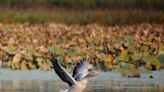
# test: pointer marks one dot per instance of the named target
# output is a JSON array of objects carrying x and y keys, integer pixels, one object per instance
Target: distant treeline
[{"x": 86, "y": 4}]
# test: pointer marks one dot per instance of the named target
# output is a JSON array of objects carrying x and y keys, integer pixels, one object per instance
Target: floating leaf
[
  {"x": 125, "y": 56},
  {"x": 161, "y": 58},
  {"x": 146, "y": 58},
  {"x": 11, "y": 49},
  {"x": 24, "y": 65},
  {"x": 117, "y": 60},
  {"x": 101, "y": 56},
  {"x": 152, "y": 51},
  {"x": 32, "y": 66},
  {"x": 44, "y": 67},
  {"x": 39, "y": 61},
  {"x": 156, "y": 63},
  {"x": 131, "y": 73},
  {"x": 32, "y": 51},
  {"x": 89, "y": 41},
  {"x": 77, "y": 51},
  {"x": 143, "y": 70},
  {"x": 108, "y": 58},
  {"x": 124, "y": 68},
  {"x": 101, "y": 44},
  {"x": 161, "y": 47},
  {"x": 108, "y": 66},
  {"x": 137, "y": 56},
  {"x": 148, "y": 65},
  {"x": 128, "y": 39},
  {"x": 144, "y": 48},
  {"x": 70, "y": 52},
  {"x": 152, "y": 61},
  {"x": 68, "y": 59},
  {"x": 132, "y": 49},
  {"x": 54, "y": 49},
  {"x": 16, "y": 59}
]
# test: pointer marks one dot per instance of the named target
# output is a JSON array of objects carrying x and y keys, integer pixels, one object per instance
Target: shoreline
[{"x": 31, "y": 75}]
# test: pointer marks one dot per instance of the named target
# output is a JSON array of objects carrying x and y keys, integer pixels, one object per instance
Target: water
[{"x": 37, "y": 81}]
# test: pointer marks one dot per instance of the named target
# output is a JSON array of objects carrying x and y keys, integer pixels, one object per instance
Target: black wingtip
[
  {"x": 83, "y": 61},
  {"x": 54, "y": 59},
  {"x": 54, "y": 55}
]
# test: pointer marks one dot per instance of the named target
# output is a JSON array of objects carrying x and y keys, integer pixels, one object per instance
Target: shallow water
[
  {"x": 36, "y": 81},
  {"x": 93, "y": 86}
]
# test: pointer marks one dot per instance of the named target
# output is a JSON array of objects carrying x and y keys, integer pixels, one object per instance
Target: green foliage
[
  {"x": 137, "y": 56},
  {"x": 82, "y": 17},
  {"x": 32, "y": 50},
  {"x": 124, "y": 68},
  {"x": 104, "y": 45},
  {"x": 132, "y": 49},
  {"x": 161, "y": 58},
  {"x": 152, "y": 62},
  {"x": 125, "y": 56},
  {"x": 146, "y": 57},
  {"x": 128, "y": 39},
  {"x": 54, "y": 49},
  {"x": 152, "y": 50},
  {"x": 108, "y": 12},
  {"x": 11, "y": 49},
  {"x": 117, "y": 60},
  {"x": 87, "y": 4},
  {"x": 144, "y": 48},
  {"x": 143, "y": 70},
  {"x": 70, "y": 52}
]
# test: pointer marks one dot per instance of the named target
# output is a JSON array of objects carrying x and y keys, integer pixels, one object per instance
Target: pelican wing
[
  {"x": 80, "y": 70},
  {"x": 62, "y": 73}
]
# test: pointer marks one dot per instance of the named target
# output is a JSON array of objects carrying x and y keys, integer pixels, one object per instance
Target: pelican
[{"x": 78, "y": 81}]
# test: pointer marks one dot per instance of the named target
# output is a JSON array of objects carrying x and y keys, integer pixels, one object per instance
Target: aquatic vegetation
[{"x": 25, "y": 46}]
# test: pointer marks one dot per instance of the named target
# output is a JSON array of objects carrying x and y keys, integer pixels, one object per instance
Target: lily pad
[
  {"x": 152, "y": 51},
  {"x": 117, "y": 60},
  {"x": 131, "y": 73},
  {"x": 32, "y": 51},
  {"x": 153, "y": 63},
  {"x": 124, "y": 68},
  {"x": 132, "y": 49},
  {"x": 146, "y": 58},
  {"x": 137, "y": 56},
  {"x": 161, "y": 58},
  {"x": 144, "y": 48},
  {"x": 54, "y": 49},
  {"x": 11, "y": 49},
  {"x": 143, "y": 70},
  {"x": 125, "y": 56},
  {"x": 129, "y": 39},
  {"x": 70, "y": 52}
]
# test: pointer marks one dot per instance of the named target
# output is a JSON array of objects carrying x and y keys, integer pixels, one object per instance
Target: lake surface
[{"x": 37, "y": 81}]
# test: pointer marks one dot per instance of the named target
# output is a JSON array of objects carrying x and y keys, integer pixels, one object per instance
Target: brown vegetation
[{"x": 24, "y": 46}]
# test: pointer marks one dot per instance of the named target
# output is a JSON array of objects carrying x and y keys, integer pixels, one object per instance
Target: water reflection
[{"x": 93, "y": 86}]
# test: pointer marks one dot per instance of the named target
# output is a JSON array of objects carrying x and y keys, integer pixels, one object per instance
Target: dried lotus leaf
[
  {"x": 125, "y": 56},
  {"x": 108, "y": 59},
  {"x": 44, "y": 67},
  {"x": 32, "y": 66},
  {"x": 68, "y": 59},
  {"x": 17, "y": 58},
  {"x": 10, "y": 49},
  {"x": 24, "y": 65}
]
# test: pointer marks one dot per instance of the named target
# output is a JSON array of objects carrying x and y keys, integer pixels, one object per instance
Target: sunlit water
[{"x": 36, "y": 81}]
